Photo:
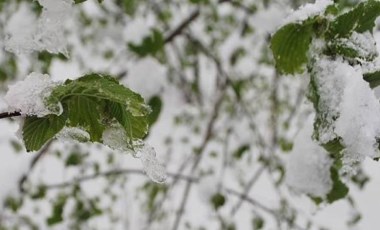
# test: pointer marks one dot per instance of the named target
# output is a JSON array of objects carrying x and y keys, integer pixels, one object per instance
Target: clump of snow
[
  {"x": 28, "y": 96},
  {"x": 307, "y": 11},
  {"x": 73, "y": 133},
  {"x": 363, "y": 43},
  {"x": 152, "y": 167},
  {"x": 308, "y": 165},
  {"x": 348, "y": 109},
  {"x": 330, "y": 84},
  {"x": 116, "y": 138},
  {"x": 46, "y": 33},
  {"x": 359, "y": 120}
]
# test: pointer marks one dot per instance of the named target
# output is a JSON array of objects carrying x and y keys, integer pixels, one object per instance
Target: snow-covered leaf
[{"x": 360, "y": 19}]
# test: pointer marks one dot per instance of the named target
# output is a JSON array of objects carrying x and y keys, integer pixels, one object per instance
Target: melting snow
[
  {"x": 73, "y": 134},
  {"x": 152, "y": 167},
  {"x": 116, "y": 138}
]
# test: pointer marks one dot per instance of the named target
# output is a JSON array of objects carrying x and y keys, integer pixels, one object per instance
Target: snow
[
  {"x": 330, "y": 84},
  {"x": 25, "y": 35},
  {"x": 115, "y": 137},
  {"x": 363, "y": 43},
  {"x": 307, "y": 11},
  {"x": 27, "y": 96},
  {"x": 350, "y": 109},
  {"x": 152, "y": 167},
  {"x": 73, "y": 134},
  {"x": 308, "y": 166}
]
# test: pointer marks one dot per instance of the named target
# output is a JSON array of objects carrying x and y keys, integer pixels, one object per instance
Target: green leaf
[
  {"x": 334, "y": 147},
  {"x": 73, "y": 159},
  {"x": 258, "y": 223},
  {"x": 93, "y": 98},
  {"x": 339, "y": 190},
  {"x": 135, "y": 126},
  {"x": 372, "y": 78},
  {"x": 155, "y": 104},
  {"x": 40, "y": 193},
  {"x": 37, "y": 131},
  {"x": 79, "y": 1},
  {"x": 290, "y": 45},
  {"x": 58, "y": 206},
  {"x": 218, "y": 200},
  {"x": 99, "y": 87},
  {"x": 84, "y": 112},
  {"x": 150, "y": 45},
  {"x": 360, "y": 19},
  {"x": 90, "y": 103},
  {"x": 238, "y": 154},
  {"x": 13, "y": 203}
]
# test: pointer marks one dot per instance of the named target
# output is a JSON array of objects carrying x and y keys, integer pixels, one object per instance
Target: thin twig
[
  {"x": 200, "y": 150},
  {"x": 33, "y": 164},
  {"x": 248, "y": 188},
  {"x": 182, "y": 26},
  {"x": 9, "y": 114},
  {"x": 264, "y": 208},
  {"x": 115, "y": 172}
]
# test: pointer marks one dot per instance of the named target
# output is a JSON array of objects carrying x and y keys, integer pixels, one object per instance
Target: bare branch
[
  {"x": 9, "y": 114},
  {"x": 182, "y": 26},
  {"x": 33, "y": 163},
  {"x": 115, "y": 172}
]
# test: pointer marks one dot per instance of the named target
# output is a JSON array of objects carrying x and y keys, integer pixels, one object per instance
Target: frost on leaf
[
  {"x": 73, "y": 134},
  {"x": 358, "y": 45},
  {"x": 25, "y": 35},
  {"x": 308, "y": 166},
  {"x": 347, "y": 109},
  {"x": 27, "y": 96}
]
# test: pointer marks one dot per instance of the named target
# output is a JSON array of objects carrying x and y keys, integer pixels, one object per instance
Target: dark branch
[
  {"x": 115, "y": 172},
  {"x": 33, "y": 163},
  {"x": 9, "y": 114},
  {"x": 181, "y": 27}
]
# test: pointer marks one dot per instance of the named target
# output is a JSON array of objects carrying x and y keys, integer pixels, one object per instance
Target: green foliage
[
  {"x": 13, "y": 203},
  {"x": 218, "y": 200},
  {"x": 258, "y": 223},
  {"x": 372, "y": 78},
  {"x": 57, "y": 212},
  {"x": 239, "y": 153},
  {"x": 155, "y": 103},
  {"x": 75, "y": 158},
  {"x": 150, "y": 45},
  {"x": 290, "y": 45},
  {"x": 37, "y": 131},
  {"x": 92, "y": 103},
  {"x": 339, "y": 190},
  {"x": 360, "y": 19}
]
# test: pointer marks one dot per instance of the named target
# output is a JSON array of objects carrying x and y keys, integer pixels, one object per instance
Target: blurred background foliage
[{"x": 222, "y": 122}]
